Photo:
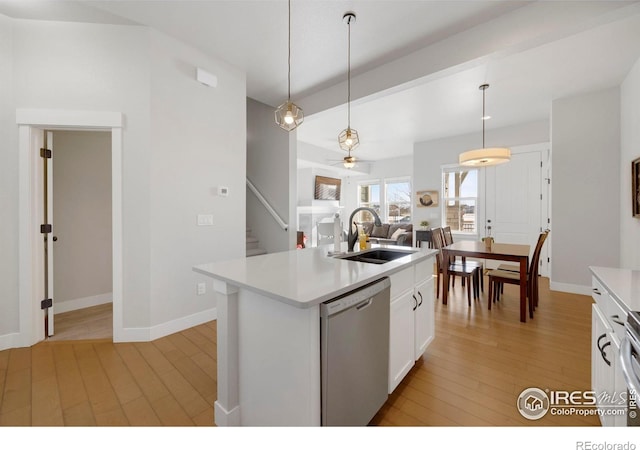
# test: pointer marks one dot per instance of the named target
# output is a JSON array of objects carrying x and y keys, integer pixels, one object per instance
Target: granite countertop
[
  {"x": 307, "y": 277},
  {"x": 622, "y": 284}
]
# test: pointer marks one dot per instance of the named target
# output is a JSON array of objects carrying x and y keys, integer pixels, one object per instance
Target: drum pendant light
[
  {"x": 289, "y": 115},
  {"x": 348, "y": 138},
  {"x": 484, "y": 156}
]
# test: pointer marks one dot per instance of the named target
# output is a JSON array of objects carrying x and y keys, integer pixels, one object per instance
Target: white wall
[
  {"x": 9, "y": 312},
  {"x": 429, "y": 157},
  {"x": 271, "y": 167},
  {"x": 630, "y": 150},
  {"x": 198, "y": 142},
  {"x": 81, "y": 219},
  {"x": 180, "y": 141},
  {"x": 585, "y": 191}
]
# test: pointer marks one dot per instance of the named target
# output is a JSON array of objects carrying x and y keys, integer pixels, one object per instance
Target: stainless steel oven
[{"x": 629, "y": 351}]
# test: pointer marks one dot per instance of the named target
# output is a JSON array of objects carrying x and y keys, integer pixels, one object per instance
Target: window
[
  {"x": 398, "y": 201},
  {"x": 390, "y": 198},
  {"x": 368, "y": 196},
  {"x": 460, "y": 199}
]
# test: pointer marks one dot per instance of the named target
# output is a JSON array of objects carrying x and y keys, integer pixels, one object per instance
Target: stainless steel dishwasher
[{"x": 354, "y": 349}]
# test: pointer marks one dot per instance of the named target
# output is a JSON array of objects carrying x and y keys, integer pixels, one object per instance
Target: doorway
[
  {"x": 31, "y": 125},
  {"x": 81, "y": 243},
  {"x": 516, "y": 199}
]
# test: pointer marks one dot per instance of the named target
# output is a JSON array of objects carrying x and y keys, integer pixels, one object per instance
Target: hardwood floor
[
  {"x": 95, "y": 322},
  {"x": 471, "y": 375}
]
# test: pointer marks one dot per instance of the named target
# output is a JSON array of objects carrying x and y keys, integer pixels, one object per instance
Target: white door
[
  {"x": 46, "y": 222},
  {"x": 514, "y": 200}
]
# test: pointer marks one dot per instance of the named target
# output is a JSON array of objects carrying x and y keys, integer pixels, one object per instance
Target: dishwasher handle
[{"x": 364, "y": 304}]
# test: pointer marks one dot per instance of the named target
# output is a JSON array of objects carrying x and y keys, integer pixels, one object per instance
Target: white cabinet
[
  {"x": 424, "y": 318},
  {"x": 607, "y": 381},
  {"x": 401, "y": 338},
  {"x": 412, "y": 320}
]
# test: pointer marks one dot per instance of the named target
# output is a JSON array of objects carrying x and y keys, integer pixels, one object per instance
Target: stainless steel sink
[{"x": 378, "y": 255}]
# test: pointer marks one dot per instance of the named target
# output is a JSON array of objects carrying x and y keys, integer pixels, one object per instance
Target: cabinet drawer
[
  {"x": 424, "y": 270},
  {"x": 599, "y": 294},
  {"x": 401, "y": 282}
]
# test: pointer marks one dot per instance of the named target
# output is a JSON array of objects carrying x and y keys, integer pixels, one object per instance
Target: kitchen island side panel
[{"x": 279, "y": 362}]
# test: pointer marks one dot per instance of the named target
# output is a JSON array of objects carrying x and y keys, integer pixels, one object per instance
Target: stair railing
[{"x": 266, "y": 204}]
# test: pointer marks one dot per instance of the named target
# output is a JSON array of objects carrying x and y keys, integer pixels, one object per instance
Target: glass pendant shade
[
  {"x": 348, "y": 139},
  {"x": 349, "y": 162},
  {"x": 484, "y": 156},
  {"x": 289, "y": 116}
]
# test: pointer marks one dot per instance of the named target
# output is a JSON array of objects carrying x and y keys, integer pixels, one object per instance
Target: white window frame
[
  {"x": 449, "y": 168},
  {"x": 382, "y": 182}
]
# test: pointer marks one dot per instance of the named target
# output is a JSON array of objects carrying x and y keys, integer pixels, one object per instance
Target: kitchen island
[{"x": 268, "y": 325}]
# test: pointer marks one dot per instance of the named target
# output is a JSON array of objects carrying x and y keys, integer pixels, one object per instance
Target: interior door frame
[{"x": 30, "y": 122}]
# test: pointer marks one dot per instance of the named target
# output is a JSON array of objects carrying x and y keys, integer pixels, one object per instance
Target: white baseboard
[
  {"x": 14, "y": 340},
  {"x": 11, "y": 340},
  {"x": 85, "y": 302},
  {"x": 224, "y": 418},
  {"x": 167, "y": 328},
  {"x": 570, "y": 288}
]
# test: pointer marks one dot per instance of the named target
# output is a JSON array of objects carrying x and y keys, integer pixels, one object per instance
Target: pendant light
[
  {"x": 349, "y": 162},
  {"x": 484, "y": 156},
  {"x": 289, "y": 115},
  {"x": 348, "y": 138}
]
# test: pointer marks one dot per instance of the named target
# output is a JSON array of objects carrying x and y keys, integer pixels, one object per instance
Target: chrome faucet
[{"x": 352, "y": 237}]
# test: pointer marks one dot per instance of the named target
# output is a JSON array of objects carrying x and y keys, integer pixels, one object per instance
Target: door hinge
[
  {"x": 45, "y": 153},
  {"x": 45, "y": 228},
  {"x": 46, "y": 303}
]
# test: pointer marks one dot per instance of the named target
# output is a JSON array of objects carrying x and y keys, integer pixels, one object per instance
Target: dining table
[{"x": 497, "y": 251}]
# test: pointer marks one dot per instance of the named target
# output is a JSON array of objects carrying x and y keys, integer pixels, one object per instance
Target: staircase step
[
  {"x": 252, "y": 243},
  {"x": 256, "y": 251}
]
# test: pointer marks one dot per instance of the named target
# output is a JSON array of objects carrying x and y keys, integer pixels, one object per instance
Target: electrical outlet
[{"x": 202, "y": 288}]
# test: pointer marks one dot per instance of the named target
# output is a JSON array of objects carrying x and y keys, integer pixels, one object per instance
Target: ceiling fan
[{"x": 349, "y": 162}]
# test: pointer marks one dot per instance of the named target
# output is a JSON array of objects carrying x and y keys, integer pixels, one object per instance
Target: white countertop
[
  {"x": 307, "y": 277},
  {"x": 623, "y": 284}
]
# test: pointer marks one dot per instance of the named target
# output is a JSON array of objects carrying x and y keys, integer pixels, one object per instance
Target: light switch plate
[
  {"x": 201, "y": 288},
  {"x": 205, "y": 220}
]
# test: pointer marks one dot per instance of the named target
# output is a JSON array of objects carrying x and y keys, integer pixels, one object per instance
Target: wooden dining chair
[
  {"x": 447, "y": 236},
  {"x": 515, "y": 268},
  {"x": 466, "y": 272},
  {"x": 499, "y": 277}
]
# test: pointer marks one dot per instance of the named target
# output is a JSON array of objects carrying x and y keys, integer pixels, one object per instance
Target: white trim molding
[
  {"x": 63, "y": 119},
  {"x": 570, "y": 288},
  {"x": 29, "y": 120}
]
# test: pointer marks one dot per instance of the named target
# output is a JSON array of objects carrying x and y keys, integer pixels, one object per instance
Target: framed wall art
[
  {"x": 427, "y": 199},
  {"x": 635, "y": 188},
  {"x": 327, "y": 188}
]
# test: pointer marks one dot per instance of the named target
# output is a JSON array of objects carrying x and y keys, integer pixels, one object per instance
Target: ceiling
[{"x": 416, "y": 65}]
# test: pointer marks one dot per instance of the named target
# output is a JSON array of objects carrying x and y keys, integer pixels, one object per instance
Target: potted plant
[{"x": 424, "y": 224}]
